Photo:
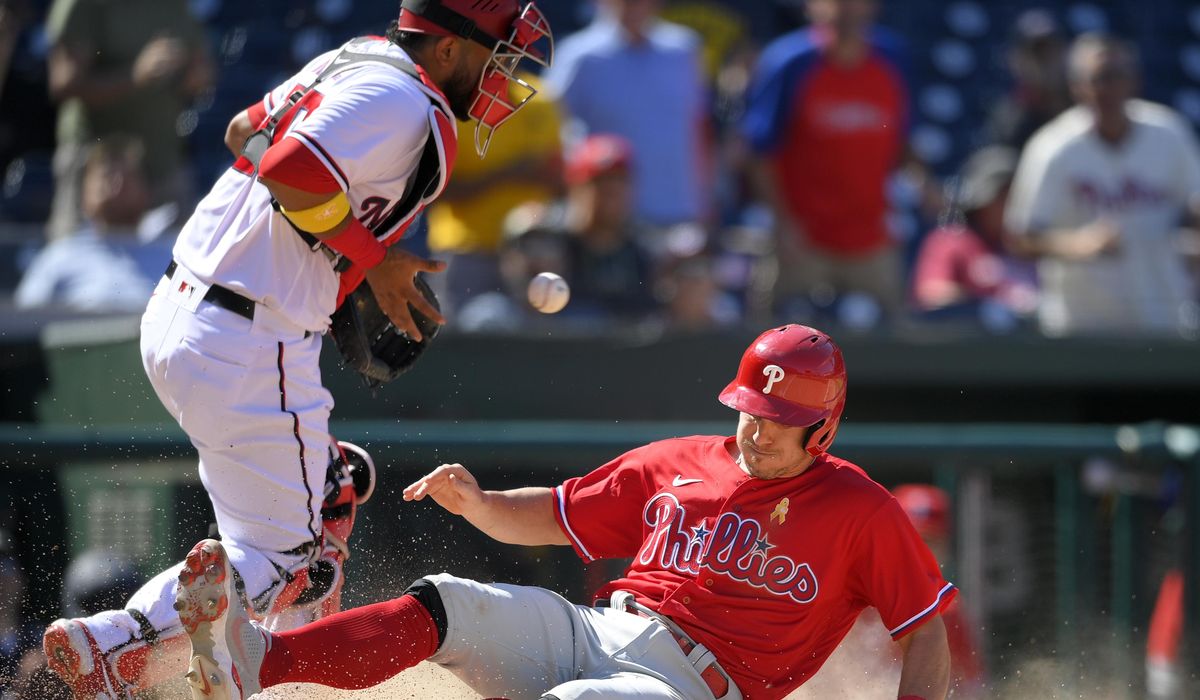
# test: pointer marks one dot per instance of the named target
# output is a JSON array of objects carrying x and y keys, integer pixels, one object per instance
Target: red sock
[{"x": 354, "y": 649}]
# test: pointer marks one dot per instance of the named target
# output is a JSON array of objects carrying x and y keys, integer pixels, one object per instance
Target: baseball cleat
[
  {"x": 73, "y": 655},
  {"x": 227, "y": 648}
]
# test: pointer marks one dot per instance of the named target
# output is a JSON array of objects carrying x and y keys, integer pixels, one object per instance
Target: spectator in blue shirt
[
  {"x": 103, "y": 267},
  {"x": 633, "y": 75}
]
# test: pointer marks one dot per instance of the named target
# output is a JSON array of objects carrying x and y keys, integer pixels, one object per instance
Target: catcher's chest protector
[{"x": 433, "y": 168}]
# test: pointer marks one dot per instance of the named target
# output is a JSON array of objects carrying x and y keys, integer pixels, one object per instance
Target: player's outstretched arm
[
  {"x": 518, "y": 516},
  {"x": 926, "y": 654}
]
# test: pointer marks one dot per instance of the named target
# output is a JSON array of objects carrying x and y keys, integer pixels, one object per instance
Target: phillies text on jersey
[{"x": 769, "y": 574}]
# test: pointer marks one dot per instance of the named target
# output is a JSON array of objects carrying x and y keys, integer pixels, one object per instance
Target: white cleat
[
  {"x": 73, "y": 655},
  {"x": 227, "y": 648}
]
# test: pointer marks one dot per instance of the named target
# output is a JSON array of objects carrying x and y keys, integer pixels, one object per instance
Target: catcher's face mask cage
[{"x": 501, "y": 91}]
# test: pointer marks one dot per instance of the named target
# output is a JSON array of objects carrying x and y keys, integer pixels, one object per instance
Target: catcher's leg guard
[
  {"x": 351, "y": 484},
  {"x": 316, "y": 591}
]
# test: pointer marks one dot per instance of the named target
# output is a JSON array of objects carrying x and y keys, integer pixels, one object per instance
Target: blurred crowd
[{"x": 688, "y": 164}]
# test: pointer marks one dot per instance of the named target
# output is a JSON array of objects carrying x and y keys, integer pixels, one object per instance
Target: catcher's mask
[
  {"x": 792, "y": 375},
  {"x": 512, "y": 31}
]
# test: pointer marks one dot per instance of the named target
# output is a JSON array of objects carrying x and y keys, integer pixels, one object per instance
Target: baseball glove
[{"x": 370, "y": 344}]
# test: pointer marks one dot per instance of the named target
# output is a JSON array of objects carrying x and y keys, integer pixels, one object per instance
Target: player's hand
[
  {"x": 393, "y": 283},
  {"x": 1099, "y": 238},
  {"x": 451, "y": 486},
  {"x": 159, "y": 60}
]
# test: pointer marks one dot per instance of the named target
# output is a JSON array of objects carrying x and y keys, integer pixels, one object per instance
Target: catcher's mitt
[{"x": 370, "y": 344}]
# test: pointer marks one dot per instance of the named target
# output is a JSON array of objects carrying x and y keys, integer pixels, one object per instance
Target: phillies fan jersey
[
  {"x": 832, "y": 134},
  {"x": 368, "y": 124},
  {"x": 769, "y": 574}
]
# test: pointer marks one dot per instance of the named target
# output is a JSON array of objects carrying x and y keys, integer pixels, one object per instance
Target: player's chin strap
[{"x": 698, "y": 655}]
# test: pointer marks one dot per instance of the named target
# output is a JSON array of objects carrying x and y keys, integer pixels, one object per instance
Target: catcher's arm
[
  {"x": 522, "y": 516},
  {"x": 313, "y": 201},
  {"x": 239, "y": 129}
]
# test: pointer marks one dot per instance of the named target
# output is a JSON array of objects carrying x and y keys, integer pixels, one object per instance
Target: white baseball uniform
[
  {"x": 1069, "y": 177},
  {"x": 248, "y": 392}
]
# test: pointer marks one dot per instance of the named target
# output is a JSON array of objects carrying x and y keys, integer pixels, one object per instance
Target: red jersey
[
  {"x": 768, "y": 574},
  {"x": 832, "y": 135}
]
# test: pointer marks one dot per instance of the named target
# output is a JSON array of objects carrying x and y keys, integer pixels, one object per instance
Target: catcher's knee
[{"x": 427, "y": 595}]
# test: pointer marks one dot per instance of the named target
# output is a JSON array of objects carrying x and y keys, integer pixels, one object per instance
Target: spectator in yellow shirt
[{"x": 465, "y": 226}]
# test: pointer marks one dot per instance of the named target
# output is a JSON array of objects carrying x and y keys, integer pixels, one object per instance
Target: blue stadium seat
[{"x": 28, "y": 188}]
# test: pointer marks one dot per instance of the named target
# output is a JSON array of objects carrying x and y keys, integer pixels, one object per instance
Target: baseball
[{"x": 548, "y": 292}]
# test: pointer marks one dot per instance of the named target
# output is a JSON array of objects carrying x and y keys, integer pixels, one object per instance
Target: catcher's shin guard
[
  {"x": 315, "y": 591},
  {"x": 350, "y": 484}
]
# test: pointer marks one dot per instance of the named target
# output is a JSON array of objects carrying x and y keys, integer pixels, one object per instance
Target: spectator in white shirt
[{"x": 1099, "y": 198}]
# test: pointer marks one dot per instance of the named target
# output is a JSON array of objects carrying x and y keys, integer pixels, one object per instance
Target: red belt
[{"x": 710, "y": 675}]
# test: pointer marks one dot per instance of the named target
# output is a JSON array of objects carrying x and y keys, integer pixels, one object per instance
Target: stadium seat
[{"x": 28, "y": 188}]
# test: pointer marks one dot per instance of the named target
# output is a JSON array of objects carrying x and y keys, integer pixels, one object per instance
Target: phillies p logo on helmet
[
  {"x": 773, "y": 373},
  {"x": 805, "y": 382}
]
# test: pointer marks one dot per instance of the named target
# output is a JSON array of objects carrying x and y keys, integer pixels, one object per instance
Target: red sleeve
[
  {"x": 895, "y": 572},
  {"x": 291, "y": 163},
  {"x": 257, "y": 113},
  {"x": 601, "y": 512}
]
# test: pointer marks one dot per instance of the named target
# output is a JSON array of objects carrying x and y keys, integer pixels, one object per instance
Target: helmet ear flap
[{"x": 820, "y": 435}]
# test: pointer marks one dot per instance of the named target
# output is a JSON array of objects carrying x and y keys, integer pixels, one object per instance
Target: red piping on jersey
[
  {"x": 943, "y": 599},
  {"x": 560, "y": 514}
]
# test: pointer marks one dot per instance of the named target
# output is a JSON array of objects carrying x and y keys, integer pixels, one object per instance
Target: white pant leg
[
  {"x": 503, "y": 640},
  {"x": 252, "y": 403},
  {"x": 620, "y": 685},
  {"x": 156, "y": 598},
  {"x": 522, "y": 642}
]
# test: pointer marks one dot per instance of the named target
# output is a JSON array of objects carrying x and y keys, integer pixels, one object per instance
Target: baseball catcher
[{"x": 332, "y": 167}]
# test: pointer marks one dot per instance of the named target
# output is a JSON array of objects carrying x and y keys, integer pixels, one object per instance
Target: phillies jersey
[
  {"x": 769, "y": 574},
  {"x": 832, "y": 135},
  {"x": 368, "y": 125},
  {"x": 1069, "y": 177}
]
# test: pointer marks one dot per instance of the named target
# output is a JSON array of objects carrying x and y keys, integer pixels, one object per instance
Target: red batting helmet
[
  {"x": 597, "y": 155},
  {"x": 509, "y": 29},
  {"x": 792, "y": 375},
  {"x": 928, "y": 507}
]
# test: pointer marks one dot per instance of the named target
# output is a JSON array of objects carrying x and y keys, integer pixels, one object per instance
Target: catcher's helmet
[
  {"x": 511, "y": 30},
  {"x": 792, "y": 375}
]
